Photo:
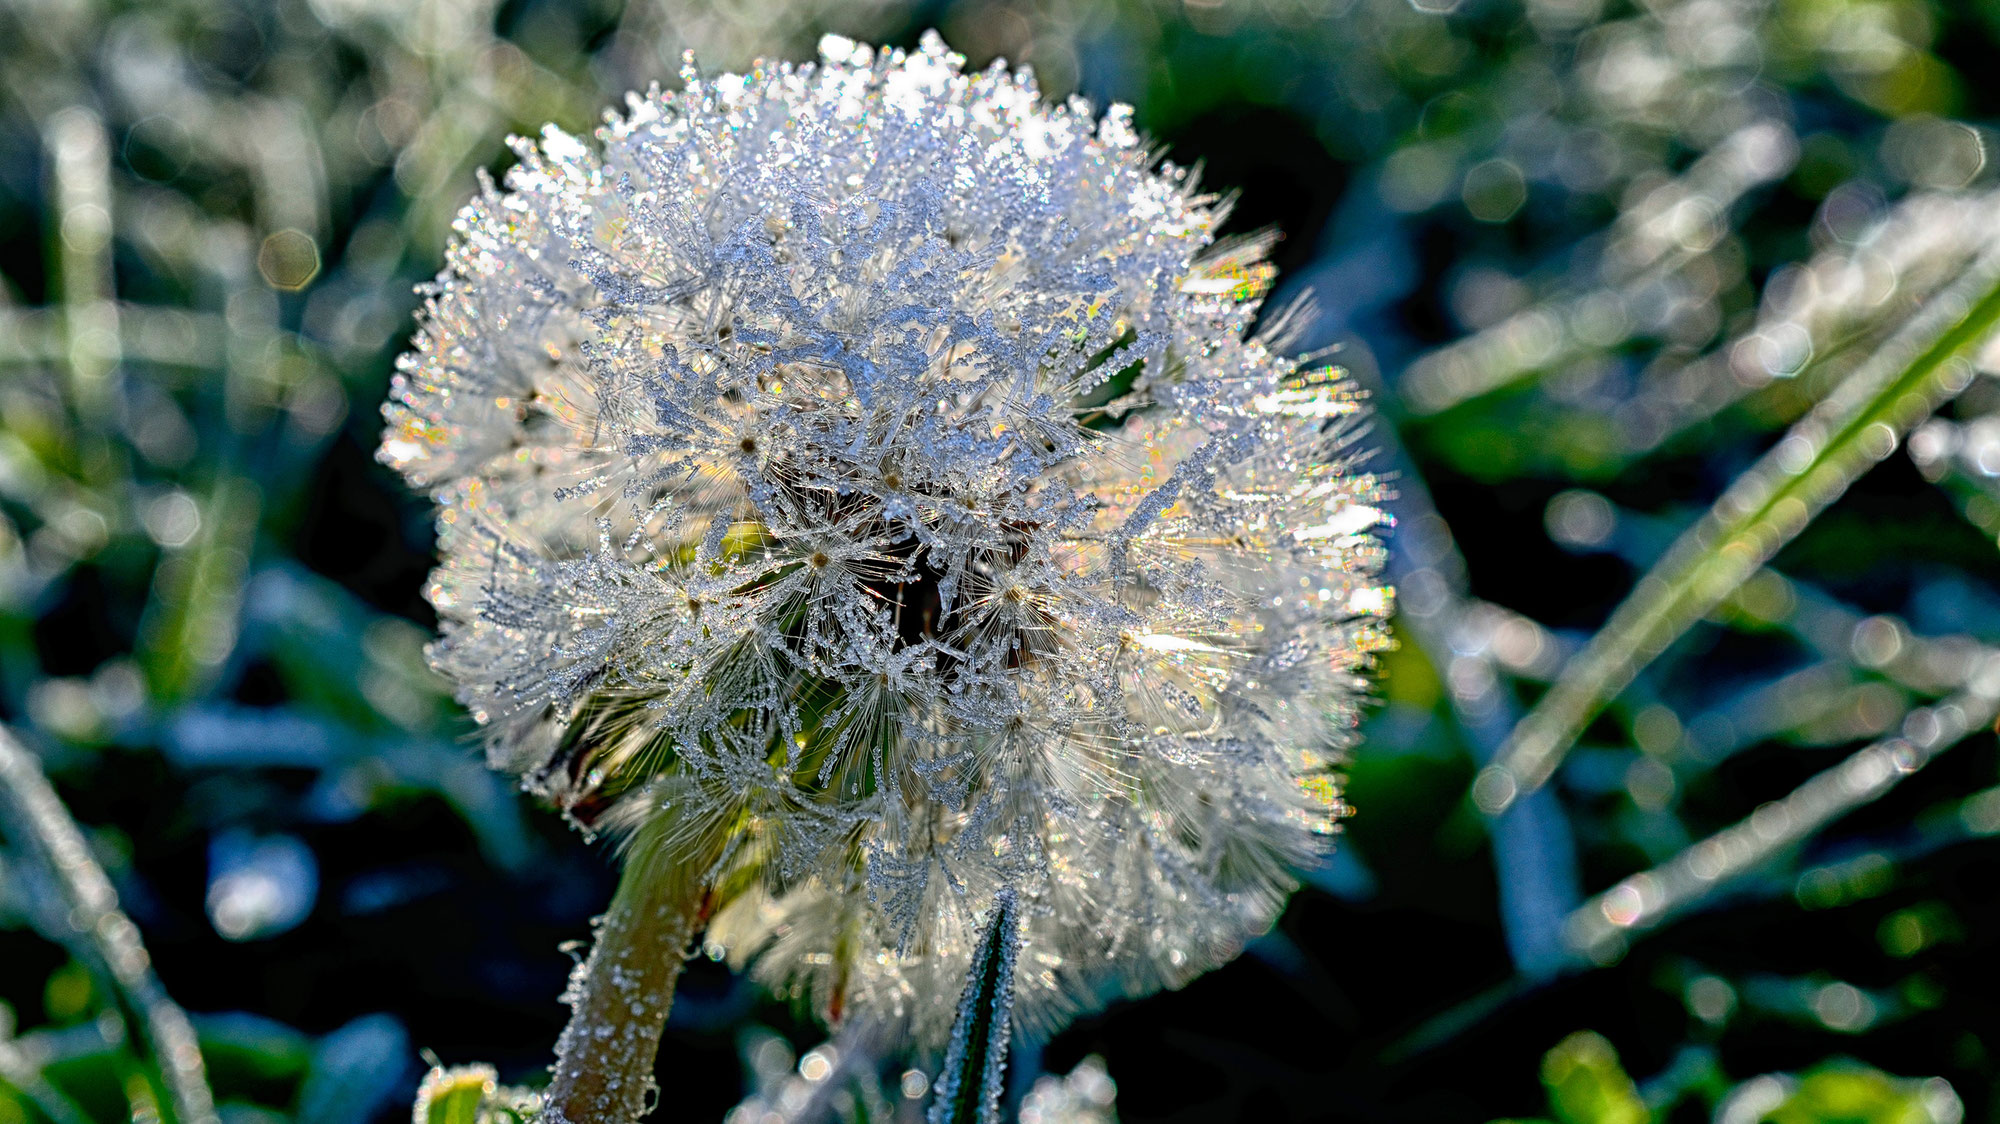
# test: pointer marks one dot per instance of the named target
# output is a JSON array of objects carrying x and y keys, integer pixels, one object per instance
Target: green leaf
[
  {"x": 353, "y": 1071},
  {"x": 454, "y": 1096},
  {"x": 68, "y": 995},
  {"x": 1846, "y": 1093},
  {"x": 969, "y": 1087},
  {"x": 1586, "y": 1084},
  {"x": 247, "y": 1053}
]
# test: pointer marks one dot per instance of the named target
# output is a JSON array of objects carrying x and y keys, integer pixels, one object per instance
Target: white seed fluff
[{"x": 862, "y": 468}]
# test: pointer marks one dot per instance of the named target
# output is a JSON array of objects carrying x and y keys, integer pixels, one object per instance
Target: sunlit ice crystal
[{"x": 874, "y": 469}]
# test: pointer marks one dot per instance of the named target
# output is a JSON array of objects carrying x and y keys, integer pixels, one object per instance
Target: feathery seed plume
[{"x": 862, "y": 476}]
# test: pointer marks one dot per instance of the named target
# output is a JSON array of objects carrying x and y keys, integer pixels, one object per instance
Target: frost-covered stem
[
  {"x": 620, "y": 996},
  {"x": 88, "y": 919}
]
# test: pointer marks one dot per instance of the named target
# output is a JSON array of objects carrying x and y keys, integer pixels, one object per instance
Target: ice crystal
[{"x": 871, "y": 467}]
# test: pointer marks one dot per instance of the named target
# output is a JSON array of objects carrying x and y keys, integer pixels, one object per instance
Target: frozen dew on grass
[
  {"x": 973, "y": 1079},
  {"x": 863, "y": 480}
]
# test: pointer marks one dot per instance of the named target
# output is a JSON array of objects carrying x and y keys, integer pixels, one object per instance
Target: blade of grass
[
  {"x": 192, "y": 621},
  {"x": 81, "y": 160},
  {"x": 1598, "y": 928},
  {"x": 21, "y": 1073},
  {"x": 969, "y": 1086},
  {"x": 1920, "y": 367},
  {"x": 1648, "y": 249},
  {"x": 1534, "y": 856},
  {"x": 37, "y": 822}
]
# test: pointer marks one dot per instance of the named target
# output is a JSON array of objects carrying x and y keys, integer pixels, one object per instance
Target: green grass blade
[
  {"x": 969, "y": 1087},
  {"x": 1916, "y": 370},
  {"x": 1599, "y": 928},
  {"x": 99, "y": 933}
]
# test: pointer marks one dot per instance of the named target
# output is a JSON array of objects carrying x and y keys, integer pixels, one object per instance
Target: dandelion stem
[{"x": 621, "y": 994}]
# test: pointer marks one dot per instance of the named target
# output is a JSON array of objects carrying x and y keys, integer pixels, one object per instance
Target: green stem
[{"x": 621, "y": 995}]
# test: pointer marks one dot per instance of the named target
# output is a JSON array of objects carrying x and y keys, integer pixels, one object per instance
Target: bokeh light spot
[{"x": 289, "y": 260}]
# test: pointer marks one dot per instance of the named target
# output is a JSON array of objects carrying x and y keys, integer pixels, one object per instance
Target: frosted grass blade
[
  {"x": 36, "y": 820},
  {"x": 1923, "y": 365},
  {"x": 1598, "y": 928},
  {"x": 975, "y": 1064}
]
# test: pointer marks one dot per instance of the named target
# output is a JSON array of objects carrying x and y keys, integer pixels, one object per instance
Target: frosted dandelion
[{"x": 856, "y": 485}]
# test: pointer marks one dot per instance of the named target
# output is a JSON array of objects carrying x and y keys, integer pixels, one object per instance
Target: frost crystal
[{"x": 864, "y": 465}]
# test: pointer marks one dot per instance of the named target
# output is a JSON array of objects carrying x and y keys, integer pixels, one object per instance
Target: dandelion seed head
[{"x": 872, "y": 467}]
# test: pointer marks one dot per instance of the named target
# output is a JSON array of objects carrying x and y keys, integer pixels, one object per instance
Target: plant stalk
[{"x": 620, "y": 996}]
